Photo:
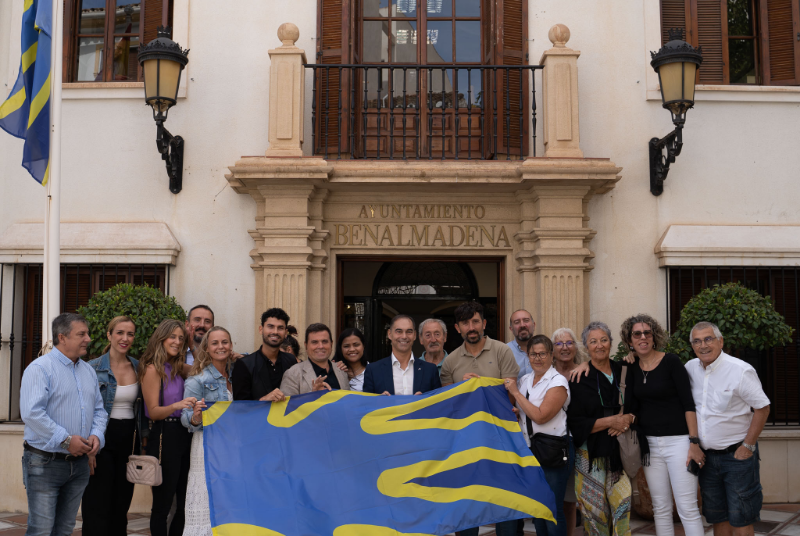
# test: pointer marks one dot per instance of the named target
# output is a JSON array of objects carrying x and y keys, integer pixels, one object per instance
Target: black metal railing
[
  {"x": 778, "y": 368},
  {"x": 21, "y": 311},
  {"x": 485, "y": 112}
]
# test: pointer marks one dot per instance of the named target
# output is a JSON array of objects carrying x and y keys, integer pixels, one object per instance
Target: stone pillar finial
[
  {"x": 289, "y": 33},
  {"x": 560, "y": 97},
  {"x": 286, "y": 94},
  {"x": 559, "y": 35}
]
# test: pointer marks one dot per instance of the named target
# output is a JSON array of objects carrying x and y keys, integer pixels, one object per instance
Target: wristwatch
[
  {"x": 694, "y": 440},
  {"x": 751, "y": 448},
  {"x": 65, "y": 444}
]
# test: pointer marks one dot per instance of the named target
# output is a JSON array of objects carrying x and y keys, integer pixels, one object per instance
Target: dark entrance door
[{"x": 374, "y": 291}]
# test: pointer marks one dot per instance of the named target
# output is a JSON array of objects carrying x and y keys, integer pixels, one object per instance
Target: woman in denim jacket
[
  {"x": 108, "y": 496},
  {"x": 208, "y": 381}
]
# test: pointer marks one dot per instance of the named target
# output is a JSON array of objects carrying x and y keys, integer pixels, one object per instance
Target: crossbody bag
[{"x": 143, "y": 469}]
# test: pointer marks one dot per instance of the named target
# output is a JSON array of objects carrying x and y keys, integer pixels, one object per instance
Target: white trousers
[{"x": 667, "y": 477}]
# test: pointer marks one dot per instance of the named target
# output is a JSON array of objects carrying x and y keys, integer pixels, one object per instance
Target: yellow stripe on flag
[
  {"x": 29, "y": 57},
  {"x": 46, "y": 174},
  {"x": 39, "y": 101},
  {"x": 28, "y": 4},
  {"x": 13, "y": 103}
]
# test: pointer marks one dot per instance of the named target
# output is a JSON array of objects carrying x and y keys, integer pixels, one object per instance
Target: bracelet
[{"x": 191, "y": 421}]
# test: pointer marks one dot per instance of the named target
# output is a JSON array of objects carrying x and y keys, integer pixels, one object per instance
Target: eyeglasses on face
[
  {"x": 541, "y": 356},
  {"x": 639, "y": 334},
  {"x": 707, "y": 341},
  {"x": 565, "y": 344}
]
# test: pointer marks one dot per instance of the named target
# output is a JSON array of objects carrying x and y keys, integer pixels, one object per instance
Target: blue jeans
[
  {"x": 731, "y": 489},
  {"x": 557, "y": 478},
  {"x": 504, "y": 528},
  {"x": 55, "y": 488}
]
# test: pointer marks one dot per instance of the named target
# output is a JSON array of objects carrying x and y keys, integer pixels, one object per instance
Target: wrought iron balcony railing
[{"x": 485, "y": 112}]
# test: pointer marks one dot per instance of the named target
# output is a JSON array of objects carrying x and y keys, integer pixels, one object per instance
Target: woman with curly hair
[
  {"x": 660, "y": 397},
  {"x": 208, "y": 381},
  {"x": 161, "y": 372}
]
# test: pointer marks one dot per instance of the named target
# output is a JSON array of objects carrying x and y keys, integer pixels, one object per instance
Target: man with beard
[
  {"x": 199, "y": 320},
  {"x": 400, "y": 374},
  {"x": 479, "y": 356},
  {"x": 522, "y": 326},
  {"x": 258, "y": 376},
  {"x": 317, "y": 372}
]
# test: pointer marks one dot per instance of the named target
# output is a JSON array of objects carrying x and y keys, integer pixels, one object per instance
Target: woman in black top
[
  {"x": 593, "y": 418},
  {"x": 660, "y": 397}
]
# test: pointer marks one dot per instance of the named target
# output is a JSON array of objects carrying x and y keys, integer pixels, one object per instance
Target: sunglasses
[{"x": 639, "y": 334}]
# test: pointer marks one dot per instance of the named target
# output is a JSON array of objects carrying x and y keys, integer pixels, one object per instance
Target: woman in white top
[
  {"x": 542, "y": 397},
  {"x": 208, "y": 381},
  {"x": 108, "y": 495},
  {"x": 351, "y": 358}
]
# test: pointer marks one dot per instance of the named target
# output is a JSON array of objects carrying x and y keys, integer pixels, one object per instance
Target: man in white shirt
[
  {"x": 401, "y": 374},
  {"x": 522, "y": 326},
  {"x": 731, "y": 412}
]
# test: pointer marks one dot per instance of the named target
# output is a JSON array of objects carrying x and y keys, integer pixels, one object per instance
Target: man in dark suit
[{"x": 401, "y": 374}]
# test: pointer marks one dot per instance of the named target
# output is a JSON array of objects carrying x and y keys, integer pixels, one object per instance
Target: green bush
[
  {"x": 145, "y": 305},
  {"x": 746, "y": 319}
]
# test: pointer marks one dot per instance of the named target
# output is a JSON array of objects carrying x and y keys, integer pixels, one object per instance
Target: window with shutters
[
  {"x": 102, "y": 37},
  {"x": 755, "y": 42},
  {"x": 466, "y": 34},
  {"x": 778, "y": 368}
]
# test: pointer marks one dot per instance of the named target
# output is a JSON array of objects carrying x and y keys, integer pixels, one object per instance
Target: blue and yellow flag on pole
[
  {"x": 26, "y": 112},
  {"x": 343, "y": 463}
]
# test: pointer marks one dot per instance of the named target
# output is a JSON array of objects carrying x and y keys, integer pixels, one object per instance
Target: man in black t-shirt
[{"x": 258, "y": 376}]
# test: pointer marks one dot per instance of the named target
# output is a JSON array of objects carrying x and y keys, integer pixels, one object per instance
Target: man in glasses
[
  {"x": 522, "y": 327},
  {"x": 731, "y": 412}
]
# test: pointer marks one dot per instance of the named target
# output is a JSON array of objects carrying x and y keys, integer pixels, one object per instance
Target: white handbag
[{"x": 145, "y": 470}]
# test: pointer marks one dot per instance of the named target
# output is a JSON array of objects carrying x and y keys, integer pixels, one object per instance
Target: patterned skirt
[{"x": 604, "y": 497}]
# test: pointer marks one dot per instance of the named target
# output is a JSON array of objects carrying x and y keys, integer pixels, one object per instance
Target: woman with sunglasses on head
[
  {"x": 542, "y": 397},
  {"x": 666, "y": 425},
  {"x": 208, "y": 381},
  {"x": 107, "y": 498},
  {"x": 595, "y": 421},
  {"x": 351, "y": 357},
  {"x": 161, "y": 371},
  {"x": 568, "y": 353}
]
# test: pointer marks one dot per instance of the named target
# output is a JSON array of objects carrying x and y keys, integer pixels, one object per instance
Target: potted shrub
[{"x": 145, "y": 305}]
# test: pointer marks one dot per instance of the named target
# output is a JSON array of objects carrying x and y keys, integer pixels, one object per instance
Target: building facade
[{"x": 440, "y": 151}]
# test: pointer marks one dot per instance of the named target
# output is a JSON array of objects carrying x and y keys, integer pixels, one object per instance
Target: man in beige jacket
[{"x": 317, "y": 372}]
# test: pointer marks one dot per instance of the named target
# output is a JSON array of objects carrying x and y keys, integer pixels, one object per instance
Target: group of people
[{"x": 83, "y": 419}]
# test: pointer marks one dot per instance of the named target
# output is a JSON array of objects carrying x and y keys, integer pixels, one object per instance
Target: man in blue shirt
[
  {"x": 522, "y": 326},
  {"x": 65, "y": 421}
]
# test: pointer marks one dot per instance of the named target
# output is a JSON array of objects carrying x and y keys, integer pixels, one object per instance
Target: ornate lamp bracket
[{"x": 659, "y": 164}]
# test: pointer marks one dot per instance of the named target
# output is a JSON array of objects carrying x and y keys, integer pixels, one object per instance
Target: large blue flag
[
  {"x": 343, "y": 463},
  {"x": 26, "y": 112}
]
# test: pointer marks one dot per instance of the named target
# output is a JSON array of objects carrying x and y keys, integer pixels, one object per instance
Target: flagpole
[{"x": 51, "y": 305}]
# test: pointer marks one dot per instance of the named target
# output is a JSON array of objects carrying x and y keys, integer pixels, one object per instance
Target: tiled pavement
[{"x": 776, "y": 519}]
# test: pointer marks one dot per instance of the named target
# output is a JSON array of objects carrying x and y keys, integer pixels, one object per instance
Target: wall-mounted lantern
[
  {"x": 162, "y": 61},
  {"x": 676, "y": 64}
]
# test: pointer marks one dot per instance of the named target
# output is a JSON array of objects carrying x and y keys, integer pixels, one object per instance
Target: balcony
[{"x": 423, "y": 112}]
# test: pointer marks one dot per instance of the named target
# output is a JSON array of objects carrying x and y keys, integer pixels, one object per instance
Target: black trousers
[
  {"x": 108, "y": 496},
  {"x": 175, "y": 457}
]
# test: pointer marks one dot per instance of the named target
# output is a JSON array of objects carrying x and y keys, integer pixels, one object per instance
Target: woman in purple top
[{"x": 161, "y": 375}]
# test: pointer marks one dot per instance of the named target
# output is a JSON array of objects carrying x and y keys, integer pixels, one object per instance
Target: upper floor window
[
  {"x": 753, "y": 42},
  {"x": 102, "y": 37}
]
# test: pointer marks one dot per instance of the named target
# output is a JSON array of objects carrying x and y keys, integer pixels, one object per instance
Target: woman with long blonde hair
[
  {"x": 161, "y": 374},
  {"x": 208, "y": 381},
  {"x": 108, "y": 496}
]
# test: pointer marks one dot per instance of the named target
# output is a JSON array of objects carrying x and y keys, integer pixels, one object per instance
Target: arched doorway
[{"x": 374, "y": 291}]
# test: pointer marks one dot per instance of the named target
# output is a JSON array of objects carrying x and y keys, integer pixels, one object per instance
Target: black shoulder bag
[{"x": 549, "y": 450}]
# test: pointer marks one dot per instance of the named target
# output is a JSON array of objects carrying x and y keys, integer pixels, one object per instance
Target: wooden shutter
[
  {"x": 780, "y": 47},
  {"x": 675, "y": 14},
  {"x": 513, "y": 94},
  {"x": 333, "y": 47},
  {"x": 711, "y": 29}
]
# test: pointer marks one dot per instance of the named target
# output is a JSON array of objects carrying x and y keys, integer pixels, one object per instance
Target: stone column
[
  {"x": 286, "y": 94},
  {"x": 562, "y": 134}
]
